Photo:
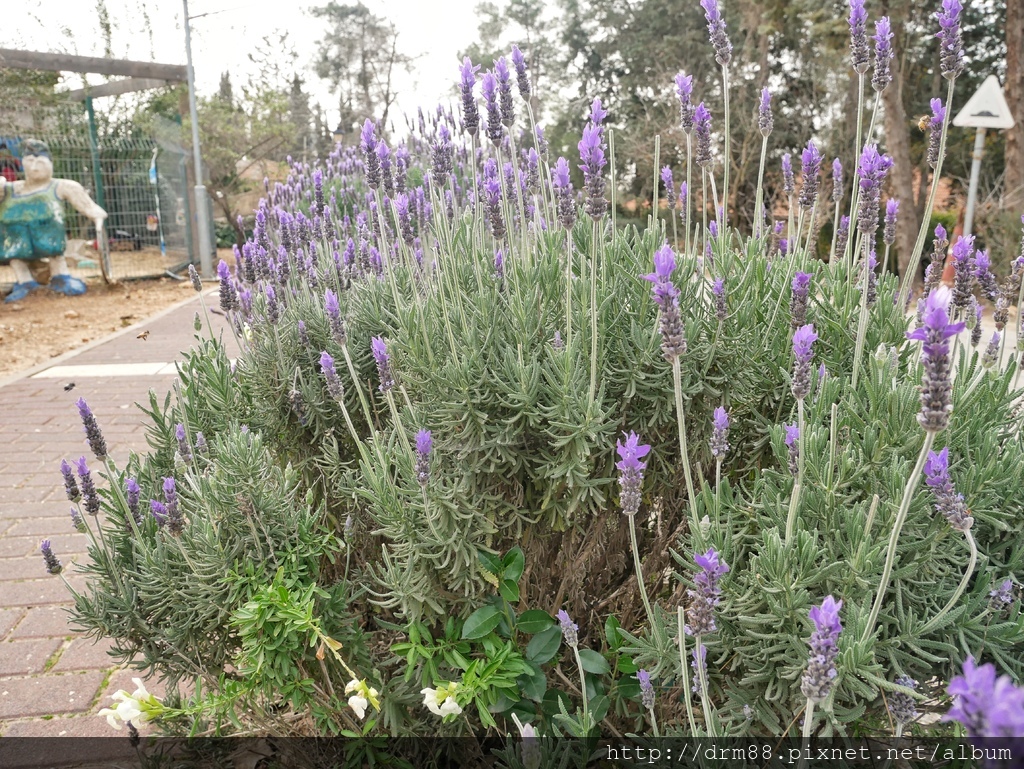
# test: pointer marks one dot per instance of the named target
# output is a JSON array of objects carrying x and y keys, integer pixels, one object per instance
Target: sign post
[{"x": 986, "y": 109}]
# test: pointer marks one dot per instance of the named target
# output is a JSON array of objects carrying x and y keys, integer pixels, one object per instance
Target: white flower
[
  {"x": 441, "y": 701},
  {"x": 139, "y": 707},
  {"x": 362, "y": 697}
]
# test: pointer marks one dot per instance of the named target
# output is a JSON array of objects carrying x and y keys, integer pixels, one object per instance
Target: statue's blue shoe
[
  {"x": 21, "y": 290},
  {"x": 67, "y": 285}
]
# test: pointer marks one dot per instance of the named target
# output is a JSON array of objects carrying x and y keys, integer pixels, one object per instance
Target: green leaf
[
  {"x": 533, "y": 621},
  {"x": 509, "y": 590},
  {"x": 481, "y": 622},
  {"x": 544, "y": 646},
  {"x": 534, "y": 683},
  {"x": 552, "y": 699},
  {"x": 489, "y": 562},
  {"x": 624, "y": 664},
  {"x": 593, "y": 662},
  {"x": 611, "y": 632},
  {"x": 599, "y": 707},
  {"x": 513, "y": 564}
]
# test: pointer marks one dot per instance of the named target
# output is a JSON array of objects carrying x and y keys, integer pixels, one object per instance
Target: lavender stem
[
  {"x": 759, "y": 201},
  {"x": 960, "y": 588},
  {"x": 640, "y": 574},
  {"x": 705, "y": 695},
  {"x": 689, "y": 194},
  {"x": 725, "y": 176},
  {"x": 794, "y": 499},
  {"x": 677, "y": 381},
  {"x": 862, "y": 323},
  {"x": 684, "y": 665},
  {"x": 568, "y": 287}
]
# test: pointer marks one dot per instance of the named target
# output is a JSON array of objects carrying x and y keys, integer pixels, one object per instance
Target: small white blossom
[
  {"x": 441, "y": 701},
  {"x": 139, "y": 707},
  {"x": 363, "y": 695}
]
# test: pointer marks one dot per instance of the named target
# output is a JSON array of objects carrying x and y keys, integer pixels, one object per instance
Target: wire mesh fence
[{"x": 141, "y": 181}]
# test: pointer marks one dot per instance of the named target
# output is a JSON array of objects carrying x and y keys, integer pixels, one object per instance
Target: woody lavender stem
[
  {"x": 725, "y": 175},
  {"x": 960, "y": 588},
  {"x": 908, "y": 277},
  {"x": 901, "y": 517},
  {"x": 677, "y": 380},
  {"x": 705, "y": 695},
  {"x": 680, "y": 625},
  {"x": 593, "y": 313},
  {"x": 639, "y": 571}
]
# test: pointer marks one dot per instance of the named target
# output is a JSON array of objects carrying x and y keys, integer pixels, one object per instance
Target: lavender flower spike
[
  {"x": 334, "y": 386},
  {"x": 631, "y": 471},
  {"x": 592, "y": 163},
  {"x": 183, "y": 446},
  {"x": 175, "y": 520},
  {"x": 380, "y": 355},
  {"x": 228, "y": 296},
  {"x": 837, "y": 181},
  {"x": 333, "y": 309},
  {"x": 883, "y": 55},
  {"x": 720, "y": 434},
  {"x": 489, "y": 88},
  {"x": 798, "y": 303},
  {"x": 788, "y": 185},
  {"x": 569, "y": 628},
  {"x": 986, "y": 705},
  {"x": 951, "y": 47},
  {"x": 666, "y": 296},
  {"x": 810, "y": 165},
  {"x": 424, "y": 445},
  {"x": 470, "y": 113},
  {"x": 565, "y": 200},
  {"x": 718, "y": 289},
  {"x": 91, "y": 499},
  {"x": 52, "y": 562},
  {"x": 803, "y": 338},
  {"x": 670, "y": 187},
  {"x": 70, "y": 485},
  {"x": 371, "y": 163},
  {"x": 859, "y": 52},
  {"x": 947, "y": 502},
  {"x": 873, "y": 168},
  {"x": 93, "y": 436},
  {"x": 902, "y": 707},
  {"x": 824, "y": 643},
  {"x": 684, "y": 90},
  {"x": 646, "y": 689},
  {"x": 133, "y": 492},
  {"x": 705, "y": 594},
  {"x": 716, "y": 30},
  {"x": 522, "y": 78},
  {"x": 793, "y": 443},
  {"x": 702, "y": 125},
  {"x": 892, "y": 209},
  {"x": 936, "y": 385},
  {"x": 935, "y": 123},
  {"x": 765, "y": 122}
]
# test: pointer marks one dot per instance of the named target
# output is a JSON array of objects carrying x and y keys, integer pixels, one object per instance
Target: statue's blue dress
[{"x": 32, "y": 224}]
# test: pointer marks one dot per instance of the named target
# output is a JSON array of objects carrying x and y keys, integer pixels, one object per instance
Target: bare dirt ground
[{"x": 45, "y": 324}]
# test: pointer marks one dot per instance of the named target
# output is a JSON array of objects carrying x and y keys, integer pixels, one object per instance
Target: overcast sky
[{"x": 432, "y": 30}]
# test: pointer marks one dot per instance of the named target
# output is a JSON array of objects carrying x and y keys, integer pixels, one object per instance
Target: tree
[
  {"x": 359, "y": 56},
  {"x": 1015, "y": 99}
]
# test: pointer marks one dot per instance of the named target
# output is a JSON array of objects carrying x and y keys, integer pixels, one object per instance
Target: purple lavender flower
[
  {"x": 824, "y": 643},
  {"x": 522, "y": 78},
  {"x": 935, "y": 123},
  {"x": 892, "y": 209},
  {"x": 720, "y": 434},
  {"x": 859, "y": 36},
  {"x": 666, "y": 296},
  {"x": 557, "y": 342},
  {"x": 504, "y": 78},
  {"x": 793, "y": 443},
  {"x": 597, "y": 112},
  {"x": 334, "y": 386},
  {"x": 983, "y": 274},
  {"x": 52, "y": 562},
  {"x": 631, "y": 471},
  {"x": 646, "y": 689},
  {"x": 489, "y": 88},
  {"x": 183, "y": 447},
  {"x": 569, "y": 628},
  {"x": 592, "y": 163},
  {"x": 273, "y": 311},
  {"x": 159, "y": 511},
  {"x": 70, "y": 485},
  {"x": 303, "y": 334},
  {"x": 228, "y": 295},
  {"x": 702, "y": 127},
  {"x": 951, "y": 47},
  {"x": 699, "y": 666},
  {"x": 371, "y": 163},
  {"x": 470, "y": 114},
  {"x": 902, "y": 707},
  {"x": 670, "y": 187},
  {"x": 499, "y": 267},
  {"x": 810, "y": 165},
  {"x": 683, "y": 198},
  {"x": 133, "y": 493},
  {"x": 947, "y": 502},
  {"x": 716, "y": 30},
  {"x": 76, "y": 521},
  {"x": 788, "y": 185},
  {"x": 491, "y": 185},
  {"x": 718, "y": 289},
  {"x": 384, "y": 156},
  {"x": 963, "y": 271},
  {"x": 424, "y": 444},
  {"x": 193, "y": 276},
  {"x": 872, "y": 278},
  {"x": 883, "y": 55},
  {"x": 803, "y": 338},
  {"x": 936, "y": 386},
  {"x": 765, "y": 122},
  {"x": 565, "y": 200},
  {"x": 991, "y": 356},
  {"x": 684, "y": 90},
  {"x": 337, "y": 323},
  {"x": 837, "y": 181},
  {"x": 175, "y": 520},
  {"x": 91, "y": 499},
  {"x": 405, "y": 226},
  {"x": 93, "y": 436},
  {"x": 1001, "y": 597},
  {"x": 705, "y": 594},
  {"x": 442, "y": 155},
  {"x": 842, "y": 235},
  {"x": 987, "y": 706},
  {"x": 380, "y": 355},
  {"x": 873, "y": 168},
  {"x": 798, "y": 303}
]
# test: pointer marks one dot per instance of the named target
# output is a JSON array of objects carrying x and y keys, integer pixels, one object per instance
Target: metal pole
[
  {"x": 202, "y": 212},
  {"x": 972, "y": 190}
]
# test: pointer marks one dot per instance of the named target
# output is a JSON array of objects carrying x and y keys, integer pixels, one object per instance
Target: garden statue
[{"x": 32, "y": 222}]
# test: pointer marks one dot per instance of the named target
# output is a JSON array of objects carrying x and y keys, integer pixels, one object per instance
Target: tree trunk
[
  {"x": 1014, "y": 199},
  {"x": 897, "y": 132}
]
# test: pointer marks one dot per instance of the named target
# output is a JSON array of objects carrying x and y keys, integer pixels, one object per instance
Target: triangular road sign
[{"x": 987, "y": 108}]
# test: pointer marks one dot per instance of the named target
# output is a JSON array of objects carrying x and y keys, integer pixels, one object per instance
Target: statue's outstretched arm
[{"x": 75, "y": 194}]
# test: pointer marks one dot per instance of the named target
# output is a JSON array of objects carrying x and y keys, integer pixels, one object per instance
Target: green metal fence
[{"x": 140, "y": 180}]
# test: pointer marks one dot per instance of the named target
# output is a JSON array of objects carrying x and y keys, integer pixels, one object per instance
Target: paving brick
[
  {"x": 40, "y": 528},
  {"x": 8, "y": 619},
  {"x": 37, "y": 592},
  {"x": 85, "y": 654},
  {"x": 69, "y": 726},
  {"x": 44, "y": 622},
  {"x": 21, "y": 568},
  {"x": 17, "y": 546},
  {"x": 18, "y": 658},
  {"x": 51, "y": 694}
]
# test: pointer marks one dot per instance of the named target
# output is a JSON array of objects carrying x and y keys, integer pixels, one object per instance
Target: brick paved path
[{"x": 52, "y": 681}]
